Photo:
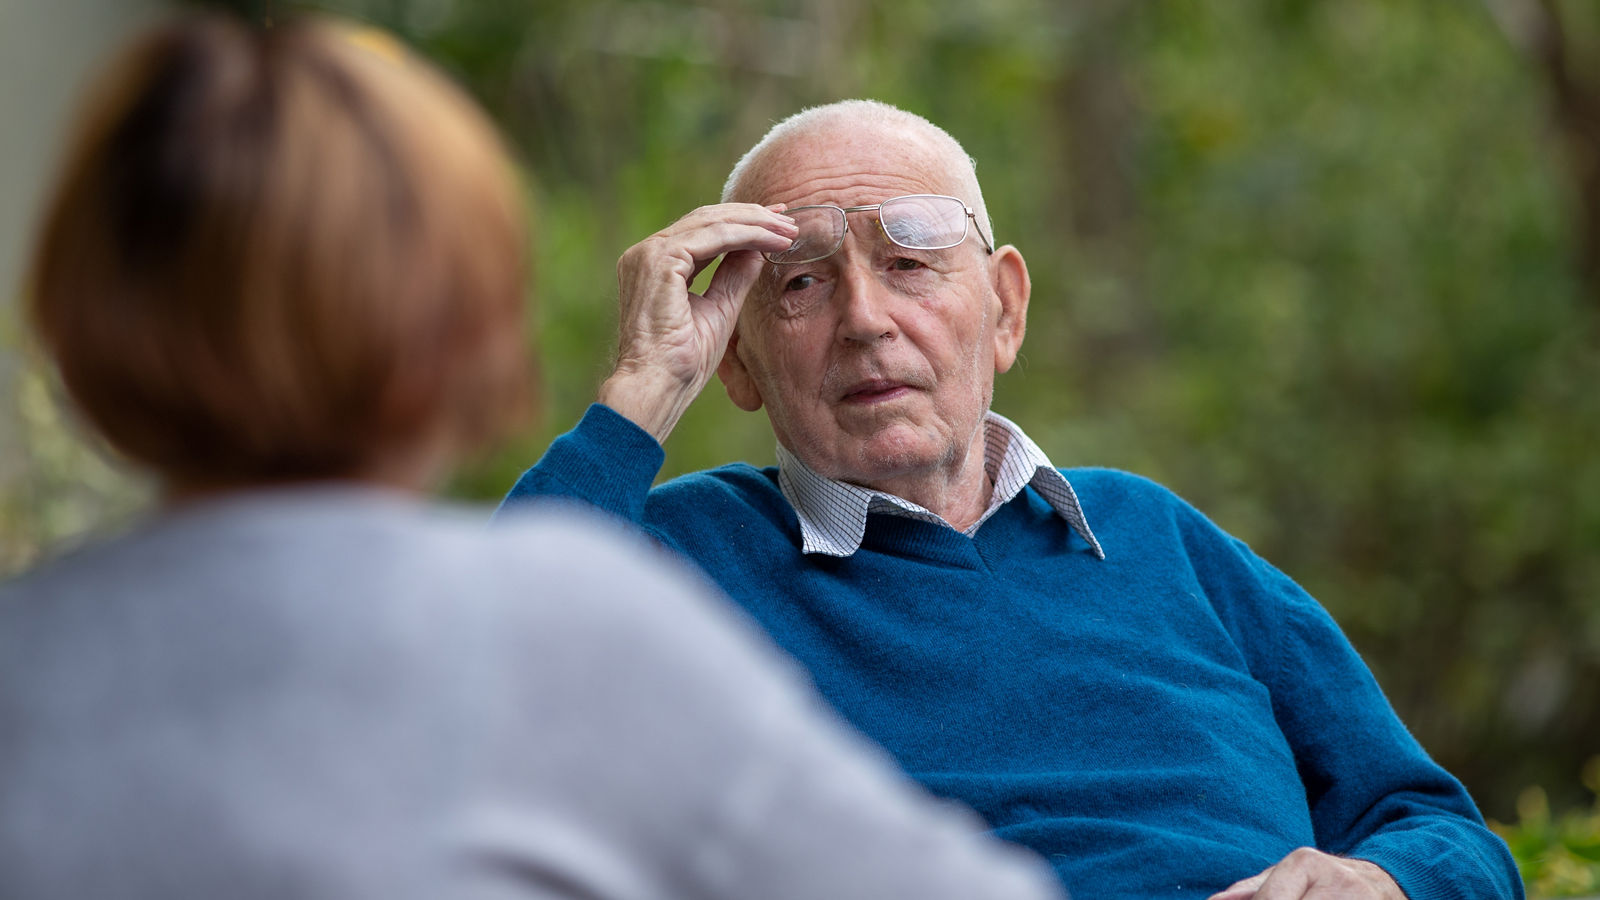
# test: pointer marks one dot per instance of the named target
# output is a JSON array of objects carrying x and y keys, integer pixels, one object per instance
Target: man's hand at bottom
[{"x": 1314, "y": 875}]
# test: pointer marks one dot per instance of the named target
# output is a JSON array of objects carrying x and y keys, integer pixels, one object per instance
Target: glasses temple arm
[{"x": 988, "y": 245}]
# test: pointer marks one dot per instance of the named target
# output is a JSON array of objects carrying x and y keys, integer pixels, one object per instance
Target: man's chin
[{"x": 894, "y": 454}]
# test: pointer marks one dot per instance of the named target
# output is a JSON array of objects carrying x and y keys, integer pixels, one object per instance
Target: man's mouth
[{"x": 875, "y": 391}]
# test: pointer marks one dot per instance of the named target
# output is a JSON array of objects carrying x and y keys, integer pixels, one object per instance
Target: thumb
[
  {"x": 733, "y": 280},
  {"x": 1242, "y": 890}
]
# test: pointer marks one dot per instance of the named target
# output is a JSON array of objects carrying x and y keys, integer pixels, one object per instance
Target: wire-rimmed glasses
[{"x": 915, "y": 222}]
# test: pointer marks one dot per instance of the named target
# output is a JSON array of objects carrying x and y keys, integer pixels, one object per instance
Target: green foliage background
[
  {"x": 1312, "y": 264},
  {"x": 1559, "y": 855}
]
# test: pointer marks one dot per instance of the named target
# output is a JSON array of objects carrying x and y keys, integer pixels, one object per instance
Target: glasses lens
[
  {"x": 821, "y": 231},
  {"x": 924, "y": 221}
]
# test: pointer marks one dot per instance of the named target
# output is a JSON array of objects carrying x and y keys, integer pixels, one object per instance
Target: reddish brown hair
[{"x": 283, "y": 253}]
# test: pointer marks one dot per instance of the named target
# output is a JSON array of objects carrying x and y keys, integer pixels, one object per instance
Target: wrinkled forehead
[{"x": 853, "y": 166}]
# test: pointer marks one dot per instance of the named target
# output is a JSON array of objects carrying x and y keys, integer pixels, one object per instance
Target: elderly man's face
[{"x": 877, "y": 364}]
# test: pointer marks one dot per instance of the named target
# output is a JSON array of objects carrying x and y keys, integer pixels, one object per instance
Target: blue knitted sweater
[{"x": 1160, "y": 723}]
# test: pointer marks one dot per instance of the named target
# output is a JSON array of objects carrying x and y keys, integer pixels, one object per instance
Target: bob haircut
[{"x": 283, "y": 253}]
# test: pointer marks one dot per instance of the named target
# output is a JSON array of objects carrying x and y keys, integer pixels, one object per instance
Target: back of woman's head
[{"x": 281, "y": 254}]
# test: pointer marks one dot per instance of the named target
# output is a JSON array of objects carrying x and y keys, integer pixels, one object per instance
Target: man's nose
[{"x": 865, "y": 306}]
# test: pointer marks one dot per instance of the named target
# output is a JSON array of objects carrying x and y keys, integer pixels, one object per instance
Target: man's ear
[
  {"x": 1008, "y": 275},
  {"x": 736, "y": 378}
]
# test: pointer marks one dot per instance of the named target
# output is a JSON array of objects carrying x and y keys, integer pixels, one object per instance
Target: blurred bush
[
  {"x": 1319, "y": 266},
  {"x": 1559, "y": 855}
]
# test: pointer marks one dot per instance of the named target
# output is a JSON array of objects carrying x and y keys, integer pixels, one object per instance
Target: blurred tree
[{"x": 1562, "y": 40}]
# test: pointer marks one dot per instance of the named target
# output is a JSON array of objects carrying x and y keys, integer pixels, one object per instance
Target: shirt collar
[{"x": 833, "y": 514}]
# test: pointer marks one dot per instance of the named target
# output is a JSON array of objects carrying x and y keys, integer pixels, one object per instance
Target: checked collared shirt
[{"x": 833, "y": 514}]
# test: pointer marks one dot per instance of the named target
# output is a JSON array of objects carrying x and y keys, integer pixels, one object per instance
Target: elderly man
[{"x": 1076, "y": 654}]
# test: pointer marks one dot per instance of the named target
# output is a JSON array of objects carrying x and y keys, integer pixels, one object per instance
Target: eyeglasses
[{"x": 915, "y": 222}]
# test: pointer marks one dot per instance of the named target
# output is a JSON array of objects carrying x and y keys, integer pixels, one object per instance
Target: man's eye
[
  {"x": 905, "y": 264},
  {"x": 799, "y": 283}
]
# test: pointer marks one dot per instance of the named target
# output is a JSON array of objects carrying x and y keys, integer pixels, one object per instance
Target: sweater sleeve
[
  {"x": 1374, "y": 793},
  {"x": 606, "y": 461}
]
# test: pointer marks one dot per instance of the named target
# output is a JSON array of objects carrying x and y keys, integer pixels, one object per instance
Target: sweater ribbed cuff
[{"x": 606, "y": 461}]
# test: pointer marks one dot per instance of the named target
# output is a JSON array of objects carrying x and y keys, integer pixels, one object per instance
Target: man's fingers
[
  {"x": 727, "y": 219},
  {"x": 1286, "y": 882},
  {"x": 683, "y": 249},
  {"x": 710, "y": 219},
  {"x": 1243, "y": 890},
  {"x": 745, "y": 213},
  {"x": 704, "y": 244},
  {"x": 1308, "y": 873}
]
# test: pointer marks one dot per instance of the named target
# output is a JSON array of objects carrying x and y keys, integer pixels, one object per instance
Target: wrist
[{"x": 648, "y": 398}]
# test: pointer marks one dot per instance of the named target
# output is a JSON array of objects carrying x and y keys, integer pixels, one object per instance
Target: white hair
[{"x": 960, "y": 166}]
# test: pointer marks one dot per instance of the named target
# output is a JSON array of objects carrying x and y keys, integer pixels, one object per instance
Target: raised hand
[{"x": 671, "y": 339}]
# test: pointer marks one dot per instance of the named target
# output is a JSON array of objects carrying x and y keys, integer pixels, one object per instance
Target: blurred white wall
[{"x": 48, "y": 51}]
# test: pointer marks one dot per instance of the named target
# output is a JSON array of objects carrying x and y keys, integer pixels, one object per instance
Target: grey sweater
[{"x": 337, "y": 692}]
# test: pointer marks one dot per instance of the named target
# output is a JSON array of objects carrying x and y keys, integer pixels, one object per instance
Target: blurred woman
[{"x": 283, "y": 272}]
